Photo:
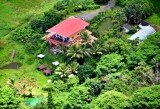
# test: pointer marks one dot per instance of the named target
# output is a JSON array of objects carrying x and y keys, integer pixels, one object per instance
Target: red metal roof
[
  {"x": 68, "y": 27},
  {"x": 41, "y": 67},
  {"x": 47, "y": 72}
]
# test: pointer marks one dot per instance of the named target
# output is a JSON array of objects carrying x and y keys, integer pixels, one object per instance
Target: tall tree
[
  {"x": 120, "y": 17},
  {"x": 137, "y": 10},
  {"x": 50, "y": 100},
  {"x": 73, "y": 67},
  {"x": 79, "y": 53},
  {"x": 63, "y": 70},
  {"x": 77, "y": 98}
]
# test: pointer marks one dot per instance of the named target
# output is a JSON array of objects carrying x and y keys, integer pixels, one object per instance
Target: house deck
[{"x": 56, "y": 42}]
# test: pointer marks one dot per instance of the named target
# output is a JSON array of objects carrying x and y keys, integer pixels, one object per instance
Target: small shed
[
  {"x": 143, "y": 33},
  {"x": 41, "y": 67},
  {"x": 143, "y": 24},
  {"x": 47, "y": 72},
  {"x": 41, "y": 56},
  {"x": 127, "y": 28},
  {"x": 55, "y": 63}
]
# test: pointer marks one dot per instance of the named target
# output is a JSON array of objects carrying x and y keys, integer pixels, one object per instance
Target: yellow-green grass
[
  {"x": 26, "y": 75},
  {"x": 155, "y": 19},
  {"x": 14, "y": 13}
]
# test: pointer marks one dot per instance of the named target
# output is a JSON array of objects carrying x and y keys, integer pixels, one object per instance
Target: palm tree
[
  {"x": 63, "y": 70},
  {"x": 73, "y": 52},
  {"x": 79, "y": 53},
  {"x": 73, "y": 67},
  {"x": 97, "y": 49},
  {"x": 84, "y": 37}
]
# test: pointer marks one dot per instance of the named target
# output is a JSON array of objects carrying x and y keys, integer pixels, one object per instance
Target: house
[
  {"x": 127, "y": 28},
  {"x": 143, "y": 24},
  {"x": 143, "y": 33},
  {"x": 66, "y": 32}
]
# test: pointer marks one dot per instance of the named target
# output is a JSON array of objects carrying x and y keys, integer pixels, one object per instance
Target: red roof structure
[
  {"x": 68, "y": 27},
  {"x": 41, "y": 67},
  {"x": 47, "y": 72}
]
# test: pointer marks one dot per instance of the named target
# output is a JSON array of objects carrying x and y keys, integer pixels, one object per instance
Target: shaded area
[
  {"x": 91, "y": 14},
  {"x": 33, "y": 101},
  {"x": 13, "y": 65}
]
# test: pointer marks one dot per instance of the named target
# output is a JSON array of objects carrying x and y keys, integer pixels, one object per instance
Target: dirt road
[{"x": 91, "y": 14}]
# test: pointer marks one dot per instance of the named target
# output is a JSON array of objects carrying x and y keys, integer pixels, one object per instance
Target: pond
[
  {"x": 105, "y": 25},
  {"x": 33, "y": 101},
  {"x": 13, "y": 65}
]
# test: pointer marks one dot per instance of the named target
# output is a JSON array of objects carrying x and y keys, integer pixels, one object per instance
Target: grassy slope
[
  {"x": 28, "y": 71},
  {"x": 16, "y": 12},
  {"x": 155, "y": 18}
]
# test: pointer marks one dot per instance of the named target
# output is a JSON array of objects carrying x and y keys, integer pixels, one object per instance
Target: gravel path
[{"x": 90, "y": 15}]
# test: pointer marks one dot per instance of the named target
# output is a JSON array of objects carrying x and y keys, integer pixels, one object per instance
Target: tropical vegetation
[{"x": 110, "y": 73}]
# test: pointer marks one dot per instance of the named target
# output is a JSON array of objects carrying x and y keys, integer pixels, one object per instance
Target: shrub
[
  {"x": 147, "y": 98},
  {"x": 95, "y": 86},
  {"x": 111, "y": 100},
  {"x": 110, "y": 63}
]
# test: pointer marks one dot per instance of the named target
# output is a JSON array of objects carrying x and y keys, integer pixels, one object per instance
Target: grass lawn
[
  {"x": 155, "y": 19},
  {"x": 14, "y": 13},
  {"x": 27, "y": 74}
]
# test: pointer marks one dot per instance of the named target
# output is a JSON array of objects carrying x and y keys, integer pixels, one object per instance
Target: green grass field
[
  {"x": 155, "y": 19},
  {"x": 14, "y": 13}
]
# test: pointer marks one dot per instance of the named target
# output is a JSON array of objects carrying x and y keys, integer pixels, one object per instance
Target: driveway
[{"x": 91, "y": 14}]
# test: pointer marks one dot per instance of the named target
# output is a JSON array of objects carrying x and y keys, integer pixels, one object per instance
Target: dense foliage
[
  {"x": 110, "y": 63},
  {"x": 8, "y": 100},
  {"x": 111, "y": 73},
  {"x": 112, "y": 100},
  {"x": 135, "y": 11},
  {"x": 147, "y": 98}
]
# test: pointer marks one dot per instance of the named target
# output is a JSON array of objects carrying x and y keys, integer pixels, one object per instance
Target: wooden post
[{"x": 12, "y": 55}]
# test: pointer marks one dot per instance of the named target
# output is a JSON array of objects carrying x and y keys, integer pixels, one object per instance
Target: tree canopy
[
  {"x": 8, "y": 100},
  {"x": 110, "y": 63},
  {"x": 112, "y": 100}
]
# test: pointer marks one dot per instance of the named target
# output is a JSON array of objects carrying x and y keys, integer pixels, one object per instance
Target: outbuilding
[
  {"x": 47, "y": 72},
  {"x": 143, "y": 24},
  {"x": 41, "y": 67},
  {"x": 143, "y": 33}
]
